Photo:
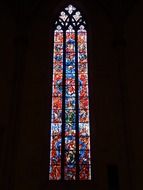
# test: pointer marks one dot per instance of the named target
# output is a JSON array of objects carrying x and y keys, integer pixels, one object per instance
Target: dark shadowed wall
[{"x": 115, "y": 43}]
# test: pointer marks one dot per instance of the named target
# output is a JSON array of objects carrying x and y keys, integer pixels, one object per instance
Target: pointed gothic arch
[{"x": 70, "y": 125}]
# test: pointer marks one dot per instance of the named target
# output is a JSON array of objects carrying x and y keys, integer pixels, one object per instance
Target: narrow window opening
[{"x": 70, "y": 125}]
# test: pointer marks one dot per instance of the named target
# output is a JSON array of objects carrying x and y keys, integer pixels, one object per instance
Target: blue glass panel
[
  {"x": 58, "y": 47},
  {"x": 70, "y": 129},
  {"x": 70, "y": 46},
  {"x": 70, "y": 69},
  {"x": 84, "y": 129},
  {"x": 82, "y": 57},
  {"x": 84, "y": 157},
  {"x": 56, "y": 129},
  {"x": 58, "y": 57},
  {"x": 70, "y": 79},
  {"x": 70, "y": 59}
]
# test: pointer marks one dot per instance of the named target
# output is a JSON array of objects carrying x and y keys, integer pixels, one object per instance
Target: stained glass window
[{"x": 70, "y": 126}]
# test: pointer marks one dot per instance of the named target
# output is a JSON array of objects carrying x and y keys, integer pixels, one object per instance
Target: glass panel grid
[
  {"x": 70, "y": 99},
  {"x": 84, "y": 133},
  {"x": 56, "y": 118}
]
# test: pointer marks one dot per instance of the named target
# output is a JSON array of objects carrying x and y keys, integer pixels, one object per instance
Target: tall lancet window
[{"x": 70, "y": 125}]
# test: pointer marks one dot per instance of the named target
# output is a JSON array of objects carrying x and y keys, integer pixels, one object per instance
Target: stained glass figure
[
  {"x": 70, "y": 157},
  {"x": 70, "y": 129},
  {"x": 56, "y": 129},
  {"x": 70, "y": 124}
]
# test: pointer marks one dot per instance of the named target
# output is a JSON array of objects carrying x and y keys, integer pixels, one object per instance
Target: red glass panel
[
  {"x": 85, "y": 172},
  {"x": 84, "y": 116},
  {"x": 58, "y": 37},
  {"x": 83, "y": 102},
  {"x": 55, "y": 157},
  {"x": 55, "y": 172},
  {"x": 70, "y": 36},
  {"x": 84, "y": 142},
  {"x": 57, "y": 103},
  {"x": 57, "y": 78},
  {"x": 83, "y": 79},
  {"x": 82, "y": 37},
  {"x": 83, "y": 91},
  {"x": 70, "y": 91}
]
